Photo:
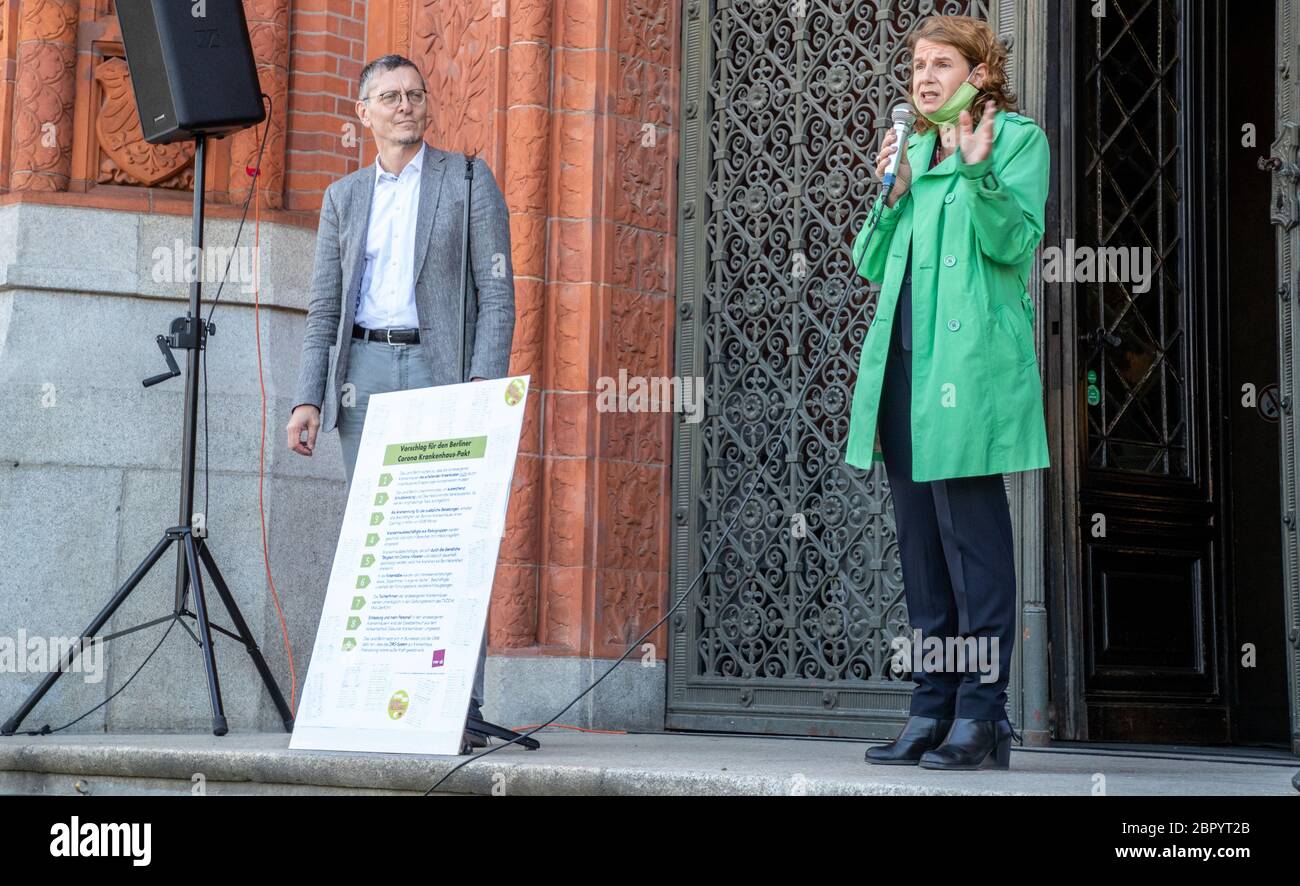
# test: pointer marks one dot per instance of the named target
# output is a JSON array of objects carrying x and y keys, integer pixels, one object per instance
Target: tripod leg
[
  {"x": 183, "y": 598},
  {"x": 11, "y": 725},
  {"x": 483, "y": 727},
  {"x": 246, "y": 635},
  {"x": 205, "y": 636}
]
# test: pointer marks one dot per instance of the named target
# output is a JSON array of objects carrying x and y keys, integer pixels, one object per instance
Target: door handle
[
  {"x": 1278, "y": 166},
  {"x": 1099, "y": 337}
]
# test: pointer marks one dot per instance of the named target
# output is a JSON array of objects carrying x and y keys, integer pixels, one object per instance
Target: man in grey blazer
[{"x": 384, "y": 297}]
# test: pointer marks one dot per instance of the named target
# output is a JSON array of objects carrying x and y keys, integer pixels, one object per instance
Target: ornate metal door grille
[
  {"x": 1132, "y": 189},
  {"x": 782, "y": 118}
]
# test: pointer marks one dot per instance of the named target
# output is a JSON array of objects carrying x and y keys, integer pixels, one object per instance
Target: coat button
[
  {"x": 954, "y": 324},
  {"x": 950, "y": 260},
  {"x": 949, "y": 198}
]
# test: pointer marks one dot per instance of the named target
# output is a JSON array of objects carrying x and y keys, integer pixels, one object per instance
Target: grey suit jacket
[{"x": 341, "y": 263}]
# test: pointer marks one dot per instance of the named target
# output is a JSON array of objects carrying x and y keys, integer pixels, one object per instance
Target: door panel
[{"x": 1148, "y": 497}]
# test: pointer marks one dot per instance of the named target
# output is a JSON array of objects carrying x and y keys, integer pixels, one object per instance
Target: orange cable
[{"x": 261, "y": 457}]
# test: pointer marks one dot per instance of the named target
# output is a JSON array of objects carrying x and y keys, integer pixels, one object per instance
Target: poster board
[{"x": 399, "y": 634}]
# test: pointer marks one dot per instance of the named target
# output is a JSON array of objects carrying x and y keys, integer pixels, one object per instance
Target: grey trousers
[{"x": 376, "y": 367}]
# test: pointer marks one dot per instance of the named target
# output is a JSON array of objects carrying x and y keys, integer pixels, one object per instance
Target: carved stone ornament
[{"x": 117, "y": 126}]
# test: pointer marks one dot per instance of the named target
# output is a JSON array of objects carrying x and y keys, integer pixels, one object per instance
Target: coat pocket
[{"x": 1017, "y": 325}]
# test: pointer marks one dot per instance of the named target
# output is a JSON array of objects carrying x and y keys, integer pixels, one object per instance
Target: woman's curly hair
[{"x": 975, "y": 40}]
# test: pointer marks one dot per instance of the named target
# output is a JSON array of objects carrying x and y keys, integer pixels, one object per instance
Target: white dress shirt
[{"x": 387, "y": 296}]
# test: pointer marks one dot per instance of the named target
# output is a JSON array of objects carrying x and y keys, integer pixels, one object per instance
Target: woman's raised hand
[
  {"x": 903, "y": 177},
  {"x": 976, "y": 143}
]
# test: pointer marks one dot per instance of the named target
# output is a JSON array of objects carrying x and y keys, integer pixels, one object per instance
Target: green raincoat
[{"x": 977, "y": 401}]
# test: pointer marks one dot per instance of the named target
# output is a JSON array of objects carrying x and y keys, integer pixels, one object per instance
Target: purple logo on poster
[{"x": 439, "y": 657}]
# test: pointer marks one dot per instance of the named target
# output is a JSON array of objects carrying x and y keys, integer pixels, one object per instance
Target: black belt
[{"x": 391, "y": 336}]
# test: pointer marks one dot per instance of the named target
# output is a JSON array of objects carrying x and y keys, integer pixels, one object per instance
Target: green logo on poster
[
  {"x": 349, "y": 643},
  {"x": 381, "y": 498},
  {"x": 376, "y": 518},
  {"x": 367, "y": 560},
  {"x": 358, "y": 602},
  {"x": 372, "y": 539},
  {"x": 398, "y": 704},
  {"x": 363, "y": 581},
  {"x": 385, "y": 479},
  {"x": 353, "y": 622},
  {"x": 515, "y": 392}
]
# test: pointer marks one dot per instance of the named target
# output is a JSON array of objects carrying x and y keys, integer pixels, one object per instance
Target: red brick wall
[
  {"x": 574, "y": 105},
  {"x": 327, "y": 53}
]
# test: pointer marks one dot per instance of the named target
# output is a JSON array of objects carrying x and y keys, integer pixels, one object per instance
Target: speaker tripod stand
[{"x": 190, "y": 333}]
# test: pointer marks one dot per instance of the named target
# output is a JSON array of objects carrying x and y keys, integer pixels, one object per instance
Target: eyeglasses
[{"x": 393, "y": 98}]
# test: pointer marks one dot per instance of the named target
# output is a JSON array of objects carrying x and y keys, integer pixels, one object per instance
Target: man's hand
[
  {"x": 305, "y": 418},
  {"x": 977, "y": 143}
]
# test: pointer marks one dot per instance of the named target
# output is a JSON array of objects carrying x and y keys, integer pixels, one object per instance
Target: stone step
[{"x": 608, "y": 764}]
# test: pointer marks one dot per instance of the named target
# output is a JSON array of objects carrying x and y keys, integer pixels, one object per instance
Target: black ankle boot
[
  {"x": 972, "y": 744},
  {"x": 919, "y": 735}
]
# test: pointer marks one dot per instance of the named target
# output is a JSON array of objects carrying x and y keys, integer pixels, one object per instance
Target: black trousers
[{"x": 954, "y": 540}]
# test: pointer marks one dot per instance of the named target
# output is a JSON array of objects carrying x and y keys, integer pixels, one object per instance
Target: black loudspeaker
[{"x": 192, "y": 67}]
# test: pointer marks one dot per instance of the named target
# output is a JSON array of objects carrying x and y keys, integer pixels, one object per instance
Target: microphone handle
[{"x": 891, "y": 174}]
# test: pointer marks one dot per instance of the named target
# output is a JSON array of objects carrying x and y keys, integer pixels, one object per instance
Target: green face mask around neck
[{"x": 953, "y": 107}]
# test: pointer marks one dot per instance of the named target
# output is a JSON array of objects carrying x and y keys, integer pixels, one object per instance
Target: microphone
[{"x": 903, "y": 120}]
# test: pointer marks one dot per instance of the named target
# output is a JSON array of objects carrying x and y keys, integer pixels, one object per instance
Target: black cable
[
  {"x": 46, "y": 730},
  {"x": 812, "y": 373}
]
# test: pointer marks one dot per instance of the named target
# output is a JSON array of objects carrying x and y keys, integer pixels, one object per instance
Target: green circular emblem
[{"x": 514, "y": 392}]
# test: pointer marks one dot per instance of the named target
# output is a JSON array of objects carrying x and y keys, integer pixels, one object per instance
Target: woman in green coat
[{"x": 949, "y": 382}]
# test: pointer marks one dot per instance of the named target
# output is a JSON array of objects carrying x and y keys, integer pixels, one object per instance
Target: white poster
[{"x": 399, "y": 635}]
